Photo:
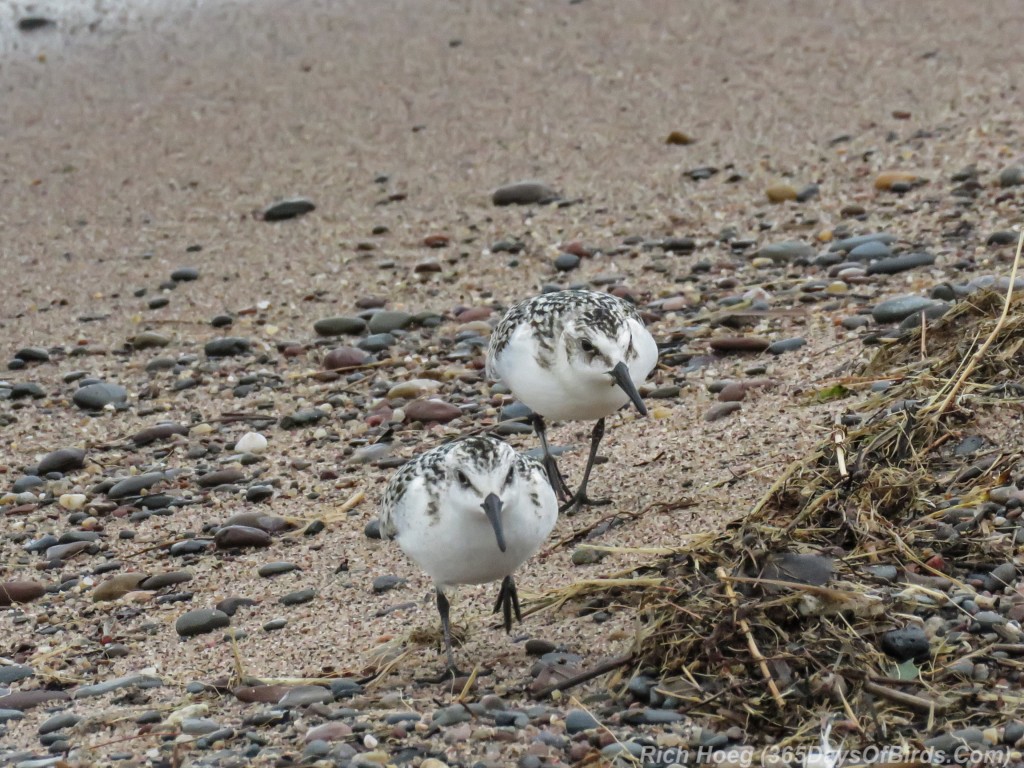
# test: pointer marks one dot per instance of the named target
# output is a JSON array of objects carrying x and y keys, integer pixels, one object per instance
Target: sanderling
[
  {"x": 469, "y": 512},
  {"x": 572, "y": 355}
]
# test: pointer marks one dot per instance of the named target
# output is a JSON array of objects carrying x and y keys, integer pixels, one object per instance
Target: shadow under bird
[
  {"x": 470, "y": 512},
  {"x": 573, "y": 355}
]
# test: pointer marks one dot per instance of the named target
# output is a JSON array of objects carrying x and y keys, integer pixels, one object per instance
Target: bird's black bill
[
  {"x": 492, "y": 508},
  {"x": 621, "y": 375}
]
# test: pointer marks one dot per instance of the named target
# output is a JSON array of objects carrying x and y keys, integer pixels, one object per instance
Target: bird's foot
[
  {"x": 582, "y": 500},
  {"x": 508, "y": 602}
]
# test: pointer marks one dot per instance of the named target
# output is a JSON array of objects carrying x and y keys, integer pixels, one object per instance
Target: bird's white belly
[
  {"x": 455, "y": 551},
  {"x": 557, "y": 393}
]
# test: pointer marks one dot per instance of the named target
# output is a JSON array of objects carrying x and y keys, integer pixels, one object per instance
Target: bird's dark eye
[
  {"x": 463, "y": 480},
  {"x": 509, "y": 476},
  {"x": 587, "y": 347}
]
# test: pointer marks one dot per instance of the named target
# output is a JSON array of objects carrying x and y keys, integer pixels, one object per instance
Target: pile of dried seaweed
[{"x": 876, "y": 576}]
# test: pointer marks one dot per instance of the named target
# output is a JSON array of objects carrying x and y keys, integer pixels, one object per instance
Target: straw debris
[{"x": 777, "y": 621}]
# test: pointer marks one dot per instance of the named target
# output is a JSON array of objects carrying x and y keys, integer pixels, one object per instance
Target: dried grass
[{"x": 775, "y": 622}]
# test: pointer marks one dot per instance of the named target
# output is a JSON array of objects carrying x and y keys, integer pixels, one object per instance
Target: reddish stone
[
  {"x": 577, "y": 248},
  {"x": 431, "y": 410},
  {"x": 20, "y": 592},
  {"x": 262, "y": 694},
  {"x": 740, "y": 344},
  {"x": 436, "y": 241},
  {"x": 474, "y": 313},
  {"x": 344, "y": 357}
]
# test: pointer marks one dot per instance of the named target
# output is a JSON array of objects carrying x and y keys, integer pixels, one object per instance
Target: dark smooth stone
[
  {"x": 288, "y": 209},
  {"x": 93, "y": 397},
  {"x": 62, "y": 460},
  {"x": 201, "y": 621},
  {"x": 227, "y": 346}
]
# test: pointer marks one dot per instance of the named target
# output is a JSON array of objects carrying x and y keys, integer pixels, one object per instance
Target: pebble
[
  {"x": 201, "y": 621},
  {"x": 149, "y": 340},
  {"x": 32, "y": 355},
  {"x": 62, "y": 460},
  {"x": 23, "y": 700},
  {"x": 20, "y": 591},
  {"x": 377, "y": 342},
  {"x": 334, "y": 731},
  {"x": 739, "y": 344},
  {"x": 524, "y": 193},
  {"x": 228, "y": 346},
  {"x": 276, "y": 569},
  {"x": 779, "y": 193},
  {"x": 304, "y": 695},
  {"x": 1013, "y": 176},
  {"x": 869, "y": 251},
  {"x": 339, "y": 326},
  {"x": 901, "y": 263},
  {"x": 251, "y": 442},
  {"x": 586, "y": 556},
  {"x": 232, "y": 536},
  {"x": 133, "y": 486},
  {"x": 59, "y": 722},
  {"x": 386, "y": 583},
  {"x": 288, "y": 209},
  {"x": 117, "y": 683},
  {"x": 720, "y": 411},
  {"x": 299, "y": 597},
  {"x": 409, "y": 390},
  {"x": 895, "y": 310},
  {"x": 386, "y": 321},
  {"x": 651, "y": 717},
  {"x": 14, "y": 673},
  {"x": 185, "y": 274},
  {"x": 118, "y": 586},
  {"x": 889, "y": 180},
  {"x": 786, "y": 251},
  {"x": 907, "y": 643},
  {"x": 167, "y": 579},
  {"x": 1002, "y": 237},
  {"x": 577, "y": 720},
  {"x": 786, "y": 345},
  {"x": 93, "y": 397},
  {"x": 848, "y": 244},
  {"x": 566, "y": 262},
  {"x": 431, "y": 410},
  {"x": 160, "y": 431},
  {"x": 226, "y": 476},
  {"x": 344, "y": 357}
]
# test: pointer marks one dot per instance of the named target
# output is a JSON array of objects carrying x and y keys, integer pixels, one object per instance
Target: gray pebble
[
  {"x": 227, "y": 346},
  {"x": 786, "y": 345},
  {"x": 132, "y": 486},
  {"x": 1012, "y": 176},
  {"x": 32, "y": 355},
  {"x": 524, "y": 193},
  {"x": 849, "y": 243},
  {"x": 198, "y": 726},
  {"x": 185, "y": 274},
  {"x": 298, "y": 597},
  {"x": 338, "y": 326},
  {"x": 128, "y": 681},
  {"x": 303, "y": 695},
  {"x": 577, "y": 720},
  {"x": 275, "y": 569},
  {"x": 786, "y": 251},
  {"x": 93, "y": 397},
  {"x": 910, "y": 642},
  {"x": 452, "y": 715},
  {"x": 869, "y": 251},
  {"x": 387, "y": 321},
  {"x": 895, "y": 310},
  {"x": 386, "y": 583},
  {"x": 62, "y": 460},
  {"x": 901, "y": 263},
  {"x": 651, "y": 717},
  {"x": 566, "y": 262},
  {"x": 59, "y": 722},
  {"x": 378, "y": 342},
  {"x": 201, "y": 621},
  {"x": 288, "y": 209}
]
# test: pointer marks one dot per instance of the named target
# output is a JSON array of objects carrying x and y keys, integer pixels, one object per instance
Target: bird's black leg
[
  {"x": 508, "y": 601},
  {"x": 451, "y": 671},
  {"x": 558, "y": 483},
  {"x": 581, "y": 498}
]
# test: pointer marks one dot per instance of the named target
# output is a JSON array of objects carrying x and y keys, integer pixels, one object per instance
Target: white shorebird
[
  {"x": 572, "y": 355},
  {"x": 469, "y": 512}
]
